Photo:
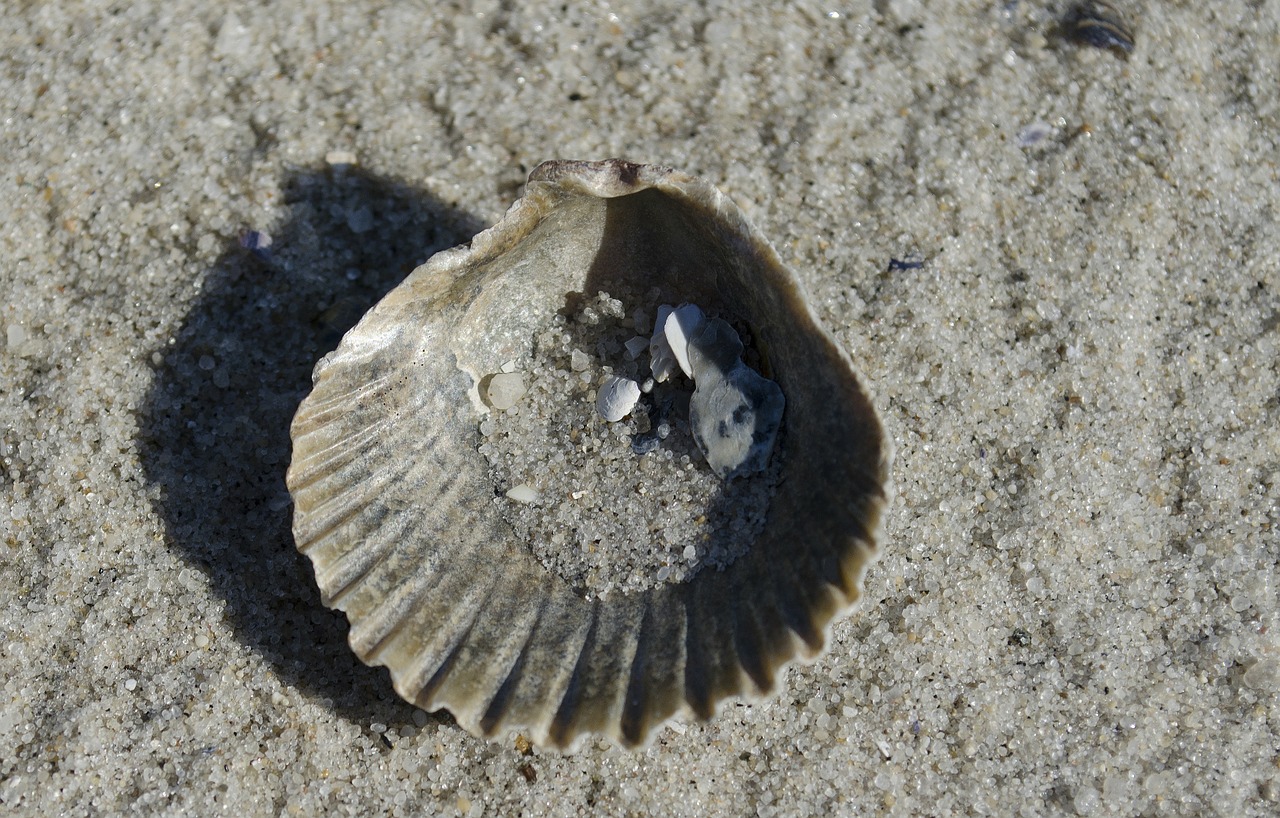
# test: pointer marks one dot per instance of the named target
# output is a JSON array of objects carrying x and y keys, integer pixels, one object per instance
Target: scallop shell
[{"x": 395, "y": 510}]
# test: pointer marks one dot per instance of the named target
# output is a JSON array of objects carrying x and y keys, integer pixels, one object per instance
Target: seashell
[{"x": 406, "y": 530}]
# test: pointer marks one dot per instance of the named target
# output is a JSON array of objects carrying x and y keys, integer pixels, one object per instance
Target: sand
[{"x": 1076, "y": 610}]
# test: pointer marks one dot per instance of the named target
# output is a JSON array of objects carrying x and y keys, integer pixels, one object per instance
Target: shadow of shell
[{"x": 395, "y": 508}]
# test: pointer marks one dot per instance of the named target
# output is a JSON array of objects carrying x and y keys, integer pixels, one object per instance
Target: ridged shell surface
[{"x": 395, "y": 508}]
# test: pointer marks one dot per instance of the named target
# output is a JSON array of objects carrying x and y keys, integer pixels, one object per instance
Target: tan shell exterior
[{"x": 393, "y": 506}]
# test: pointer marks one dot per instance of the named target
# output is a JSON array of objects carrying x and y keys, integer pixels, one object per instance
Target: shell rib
[{"x": 394, "y": 507}]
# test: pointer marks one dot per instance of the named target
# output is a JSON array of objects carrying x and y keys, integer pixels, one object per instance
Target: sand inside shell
[{"x": 605, "y": 518}]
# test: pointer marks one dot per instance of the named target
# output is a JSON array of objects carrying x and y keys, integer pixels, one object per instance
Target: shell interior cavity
[{"x": 533, "y": 526}]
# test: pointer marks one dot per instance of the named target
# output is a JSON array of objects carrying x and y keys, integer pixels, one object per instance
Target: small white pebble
[
  {"x": 578, "y": 360},
  {"x": 617, "y": 398},
  {"x": 504, "y": 390},
  {"x": 130, "y": 684}
]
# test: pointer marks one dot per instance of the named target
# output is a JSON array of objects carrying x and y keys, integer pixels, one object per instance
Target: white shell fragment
[
  {"x": 617, "y": 398},
  {"x": 681, "y": 325},
  {"x": 523, "y": 493},
  {"x": 662, "y": 360},
  {"x": 504, "y": 389},
  {"x": 734, "y": 412},
  {"x": 395, "y": 505}
]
